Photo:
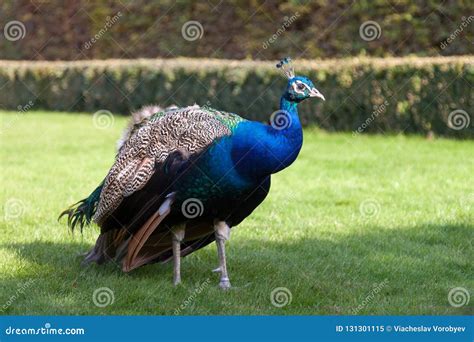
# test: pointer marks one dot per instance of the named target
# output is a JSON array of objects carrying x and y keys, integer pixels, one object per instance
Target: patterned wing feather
[{"x": 189, "y": 129}]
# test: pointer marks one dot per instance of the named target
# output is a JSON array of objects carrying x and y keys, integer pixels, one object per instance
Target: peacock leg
[
  {"x": 222, "y": 232},
  {"x": 177, "y": 237}
]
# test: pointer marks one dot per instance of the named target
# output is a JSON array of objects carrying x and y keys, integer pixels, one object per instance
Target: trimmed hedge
[
  {"x": 411, "y": 95},
  {"x": 236, "y": 29}
]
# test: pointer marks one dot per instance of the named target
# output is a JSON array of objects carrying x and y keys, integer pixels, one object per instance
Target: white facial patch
[{"x": 300, "y": 91}]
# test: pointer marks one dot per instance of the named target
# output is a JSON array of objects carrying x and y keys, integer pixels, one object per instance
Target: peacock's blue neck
[
  {"x": 290, "y": 106},
  {"x": 291, "y": 109},
  {"x": 260, "y": 150}
]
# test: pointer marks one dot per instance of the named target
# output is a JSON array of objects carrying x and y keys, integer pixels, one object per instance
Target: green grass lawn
[{"x": 368, "y": 224}]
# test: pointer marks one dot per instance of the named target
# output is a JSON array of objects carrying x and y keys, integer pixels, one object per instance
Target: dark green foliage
[
  {"x": 235, "y": 29},
  {"x": 411, "y": 95}
]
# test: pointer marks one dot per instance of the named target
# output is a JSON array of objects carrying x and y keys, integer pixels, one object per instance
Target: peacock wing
[{"x": 189, "y": 130}]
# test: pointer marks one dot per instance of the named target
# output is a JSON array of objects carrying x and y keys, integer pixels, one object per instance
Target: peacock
[{"x": 183, "y": 177}]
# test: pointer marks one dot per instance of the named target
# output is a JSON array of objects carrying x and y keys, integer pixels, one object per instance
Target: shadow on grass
[{"x": 418, "y": 264}]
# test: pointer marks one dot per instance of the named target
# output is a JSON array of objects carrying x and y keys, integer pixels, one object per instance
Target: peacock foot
[{"x": 225, "y": 284}]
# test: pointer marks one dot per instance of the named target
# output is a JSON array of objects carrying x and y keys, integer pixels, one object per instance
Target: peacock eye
[{"x": 300, "y": 86}]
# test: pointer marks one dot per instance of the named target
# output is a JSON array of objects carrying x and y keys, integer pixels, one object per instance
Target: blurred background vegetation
[
  {"x": 234, "y": 29},
  {"x": 410, "y": 74},
  {"x": 404, "y": 95}
]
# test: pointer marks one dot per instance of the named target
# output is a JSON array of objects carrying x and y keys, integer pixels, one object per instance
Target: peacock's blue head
[{"x": 298, "y": 88}]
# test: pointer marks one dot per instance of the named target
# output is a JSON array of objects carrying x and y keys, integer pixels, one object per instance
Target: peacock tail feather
[{"x": 81, "y": 213}]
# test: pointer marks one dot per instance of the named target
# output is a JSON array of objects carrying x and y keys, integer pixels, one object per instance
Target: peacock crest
[{"x": 286, "y": 67}]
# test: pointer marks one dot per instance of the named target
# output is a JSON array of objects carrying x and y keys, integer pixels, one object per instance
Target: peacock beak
[{"x": 315, "y": 93}]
